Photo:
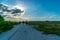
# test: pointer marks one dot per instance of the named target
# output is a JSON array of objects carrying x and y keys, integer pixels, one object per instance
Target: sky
[{"x": 38, "y": 10}]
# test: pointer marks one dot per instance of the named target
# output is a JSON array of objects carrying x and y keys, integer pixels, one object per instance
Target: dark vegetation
[
  {"x": 48, "y": 27},
  {"x": 5, "y": 26}
]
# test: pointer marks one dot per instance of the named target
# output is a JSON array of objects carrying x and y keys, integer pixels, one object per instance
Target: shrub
[{"x": 5, "y": 26}]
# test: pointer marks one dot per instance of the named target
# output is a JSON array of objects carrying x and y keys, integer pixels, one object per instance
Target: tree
[{"x": 1, "y": 18}]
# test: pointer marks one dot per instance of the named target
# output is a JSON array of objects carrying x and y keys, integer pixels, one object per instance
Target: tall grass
[{"x": 48, "y": 27}]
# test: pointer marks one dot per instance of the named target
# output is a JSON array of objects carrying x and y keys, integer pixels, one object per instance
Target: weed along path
[{"x": 26, "y": 32}]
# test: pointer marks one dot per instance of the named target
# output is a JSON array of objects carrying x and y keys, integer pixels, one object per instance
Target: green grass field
[{"x": 48, "y": 27}]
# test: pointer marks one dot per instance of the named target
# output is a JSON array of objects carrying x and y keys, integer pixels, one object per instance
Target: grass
[
  {"x": 5, "y": 26},
  {"x": 48, "y": 27}
]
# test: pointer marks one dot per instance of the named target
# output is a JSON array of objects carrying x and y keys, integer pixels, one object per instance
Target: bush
[{"x": 5, "y": 26}]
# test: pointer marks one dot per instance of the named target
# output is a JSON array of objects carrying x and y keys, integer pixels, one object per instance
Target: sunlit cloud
[{"x": 14, "y": 10}]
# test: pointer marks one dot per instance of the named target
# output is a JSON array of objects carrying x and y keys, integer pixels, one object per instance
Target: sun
[{"x": 19, "y": 7}]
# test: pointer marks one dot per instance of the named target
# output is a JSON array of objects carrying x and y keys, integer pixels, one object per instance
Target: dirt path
[{"x": 26, "y": 32}]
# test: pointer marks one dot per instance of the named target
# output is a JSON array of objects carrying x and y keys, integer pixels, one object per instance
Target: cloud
[
  {"x": 16, "y": 11},
  {"x": 49, "y": 18},
  {"x": 5, "y": 10},
  {"x": 52, "y": 17}
]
